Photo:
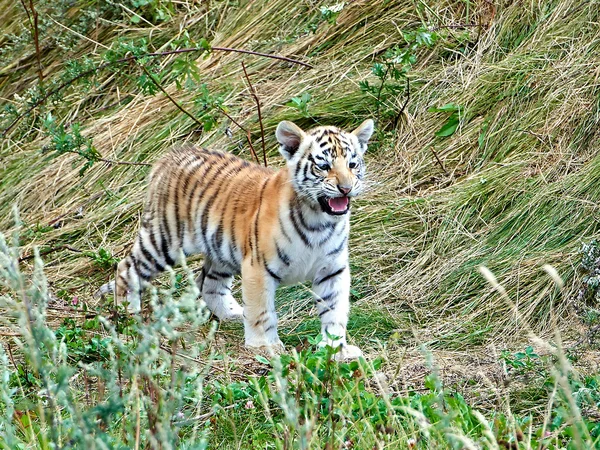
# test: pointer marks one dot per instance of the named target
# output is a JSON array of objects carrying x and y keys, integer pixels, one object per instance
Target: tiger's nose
[{"x": 344, "y": 189}]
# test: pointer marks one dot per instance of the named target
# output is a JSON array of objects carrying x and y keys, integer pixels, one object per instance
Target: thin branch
[
  {"x": 262, "y": 129},
  {"x": 378, "y": 101},
  {"x": 124, "y": 163},
  {"x": 33, "y": 22},
  {"x": 265, "y": 55},
  {"x": 407, "y": 90},
  {"x": 51, "y": 250},
  {"x": 252, "y": 150},
  {"x": 456, "y": 26},
  {"x": 439, "y": 160},
  {"x": 136, "y": 57},
  {"x": 179, "y": 107}
]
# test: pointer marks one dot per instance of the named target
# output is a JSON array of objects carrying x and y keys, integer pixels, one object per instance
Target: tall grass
[{"x": 118, "y": 382}]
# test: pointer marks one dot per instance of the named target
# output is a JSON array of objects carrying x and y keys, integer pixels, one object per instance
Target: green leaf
[
  {"x": 263, "y": 360},
  {"x": 449, "y": 127},
  {"x": 448, "y": 107}
]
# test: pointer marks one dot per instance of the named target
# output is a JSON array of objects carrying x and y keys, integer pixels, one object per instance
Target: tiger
[{"x": 272, "y": 227}]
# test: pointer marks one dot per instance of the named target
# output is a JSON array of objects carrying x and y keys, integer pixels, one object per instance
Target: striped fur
[{"x": 273, "y": 227}]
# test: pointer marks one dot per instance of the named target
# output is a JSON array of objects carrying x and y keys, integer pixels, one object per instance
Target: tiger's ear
[
  {"x": 290, "y": 136},
  {"x": 364, "y": 132}
]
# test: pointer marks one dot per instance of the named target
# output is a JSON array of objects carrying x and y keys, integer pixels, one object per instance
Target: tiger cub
[{"x": 273, "y": 227}]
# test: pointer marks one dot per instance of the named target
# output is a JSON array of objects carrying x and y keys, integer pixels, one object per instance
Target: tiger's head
[{"x": 325, "y": 164}]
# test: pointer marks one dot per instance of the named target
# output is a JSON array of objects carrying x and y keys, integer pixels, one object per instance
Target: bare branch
[
  {"x": 254, "y": 155},
  {"x": 51, "y": 250},
  {"x": 136, "y": 57},
  {"x": 407, "y": 90},
  {"x": 181, "y": 108},
  {"x": 262, "y": 129}
]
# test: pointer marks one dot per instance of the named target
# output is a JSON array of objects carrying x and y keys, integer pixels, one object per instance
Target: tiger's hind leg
[
  {"x": 215, "y": 284},
  {"x": 134, "y": 273}
]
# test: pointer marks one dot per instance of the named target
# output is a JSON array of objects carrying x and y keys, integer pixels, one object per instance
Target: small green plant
[
  {"x": 327, "y": 14},
  {"x": 301, "y": 103},
  {"x": 103, "y": 259},
  {"x": 590, "y": 265},
  {"x": 64, "y": 141},
  {"x": 392, "y": 72},
  {"x": 522, "y": 362},
  {"x": 452, "y": 121}
]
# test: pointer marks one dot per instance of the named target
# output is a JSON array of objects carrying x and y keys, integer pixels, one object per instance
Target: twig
[
  {"x": 407, "y": 90},
  {"x": 262, "y": 129},
  {"x": 9, "y": 333},
  {"x": 51, "y": 250},
  {"x": 163, "y": 90},
  {"x": 254, "y": 155},
  {"x": 136, "y": 57},
  {"x": 378, "y": 100},
  {"x": 33, "y": 21},
  {"x": 458, "y": 26},
  {"x": 125, "y": 163},
  {"x": 439, "y": 161}
]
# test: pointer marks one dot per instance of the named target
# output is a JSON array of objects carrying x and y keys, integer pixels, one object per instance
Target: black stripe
[
  {"x": 316, "y": 228},
  {"x": 202, "y": 186},
  {"x": 261, "y": 321},
  {"x": 260, "y": 198},
  {"x": 282, "y": 229},
  {"x": 269, "y": 328},
  {"x": 282, "y": 256},
  {"x": 326, "y": 238},
  {"x": 330, "y": 276},
  {"x": 155, "y": 247},
  {"x": 215, "y": 275},
  {"x": 202, "y": 278},
  {"x": 298, "y": 230},
  {"x": 166, "y": 245},
  {"x": 326, "y": 298},
  {"x": 305, "y": 173},
  {"x": 215, "y": 293},
  {"x": 339, "y": 248},
  {"x": 206, "y": 210},
  {"x": 151, "y": 270},
  {"x": 270, "y": 272}
]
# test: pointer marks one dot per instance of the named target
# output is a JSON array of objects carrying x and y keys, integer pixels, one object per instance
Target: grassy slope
[{"x": 526, "y": 196}]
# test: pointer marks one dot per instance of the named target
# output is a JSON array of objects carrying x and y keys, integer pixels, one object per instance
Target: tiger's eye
[
  {"x": 352, "y": 165},
  {"x": 323, "y": 166}
]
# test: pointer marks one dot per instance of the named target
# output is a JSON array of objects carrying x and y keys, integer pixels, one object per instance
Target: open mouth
[{"x": 335, "y": 205}]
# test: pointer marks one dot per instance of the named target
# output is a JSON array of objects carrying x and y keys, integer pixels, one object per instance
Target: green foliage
[
  {"x": 521, "y": 362},
  {"x": 590, "y": 265},
  {"x": 208, "y": 106},
  {"x": 153, "y": 11},
  {"x": 453, "y": 120},
  {"x": 63, "y": 141},
  {"x": 327, "y": 14},
  {"x": 301, "y": 104},
  {"x": 392, "y": 70},
  {"x": 87, "y": 384},
  {"x": 103, "y": 259}
]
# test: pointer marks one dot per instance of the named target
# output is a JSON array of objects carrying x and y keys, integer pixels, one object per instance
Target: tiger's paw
[
  {"x": 348, "y": 353},
  {"x": 226, "y": 309}
]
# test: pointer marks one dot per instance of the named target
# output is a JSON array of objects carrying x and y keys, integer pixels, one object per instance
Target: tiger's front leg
[
  {"x": 331, "y": 287},
  {"x": 260, "y": 318}
]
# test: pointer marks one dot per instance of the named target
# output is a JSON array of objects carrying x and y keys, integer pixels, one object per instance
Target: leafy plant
[
  {"x": 452, "y": 121},
  {"x": 63, "y": 141},
  {"x": 392, "y": 70},
  {"x": 103, "y": 259},
  {"x": 301, "y": 103}
]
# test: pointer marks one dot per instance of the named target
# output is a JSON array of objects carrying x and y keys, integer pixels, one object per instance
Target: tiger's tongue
[{"x": 338, "y": 204}]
